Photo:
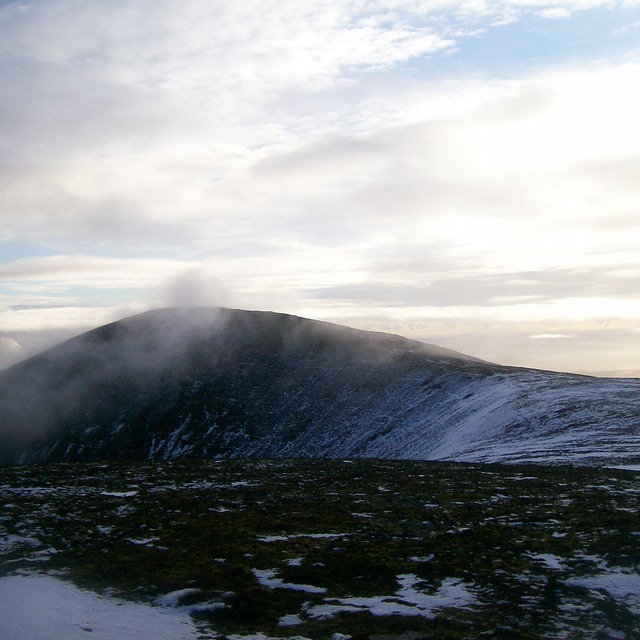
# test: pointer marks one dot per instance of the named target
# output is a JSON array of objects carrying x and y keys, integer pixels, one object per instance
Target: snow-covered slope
[
  {"x": 43, "y": 607},
  {"x": 219, "y": 382}
]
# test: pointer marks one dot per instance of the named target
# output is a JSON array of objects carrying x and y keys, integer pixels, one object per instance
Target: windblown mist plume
[
  {"x": 112, "y": 363},
  {"x": 118, "y": 363},
  {"x": 10, "y": 350}
]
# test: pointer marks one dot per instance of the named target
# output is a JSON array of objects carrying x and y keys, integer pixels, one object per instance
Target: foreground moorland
[{"x": 362, "y": 548}]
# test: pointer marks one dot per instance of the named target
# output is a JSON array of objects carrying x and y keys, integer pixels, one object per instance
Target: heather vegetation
[{"x": 362, "y": 548}]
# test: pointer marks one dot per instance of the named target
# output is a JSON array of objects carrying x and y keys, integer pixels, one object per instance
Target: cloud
[
  {"x": 11, "y": 351},
  {"x": 332, "y": 158},
  {"x": 440, "y": 287},
  {"x": 216, "y": 52},
  {"x": 120, "y": 126},
  {"x": 539, "y": 162},
  {"x": 627, "y": 28},
  {"x": 84, "y": 270},
  {"x": 56, "y": 293},
  {"x": 193, "y": 288},
  {"x": 9, "y": 345},
  {"x": 555, "y": 13}
]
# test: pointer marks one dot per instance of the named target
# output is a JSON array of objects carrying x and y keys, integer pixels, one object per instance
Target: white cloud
[
  {"x": 9, "y": 345},
  {"x": 286, "y": 156},
  {"x": 11, "y": 351},
  {"x": 83, "y": 270},
  {"x": 555, "y": 13},
  {"x": 152, "y": 126},
  {"x": 193, "y": 287},
  {"x": 627, "y": 28}
]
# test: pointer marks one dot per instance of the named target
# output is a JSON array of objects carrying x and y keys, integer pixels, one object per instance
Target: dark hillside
[{"x": 200, "y": 382}]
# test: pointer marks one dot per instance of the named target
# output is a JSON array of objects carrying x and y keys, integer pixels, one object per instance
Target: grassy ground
[{"x": 367, "y": 549}]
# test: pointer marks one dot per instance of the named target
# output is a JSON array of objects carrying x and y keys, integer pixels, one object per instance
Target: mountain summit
[{"x": 215, "y": 382}]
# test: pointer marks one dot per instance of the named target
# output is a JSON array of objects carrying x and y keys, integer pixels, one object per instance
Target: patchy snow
[
  {"x": 177, "y": 598},
  {"x": 105, "y": 529},
  {"x": 267, "y": 578},
  {"x": 290, "y": 620},
  {"x": 10, "y": 542},
  {"x": 46, "y": 608},
  {"x": 145, "y": 542},
  {"x": 432, "y": 406},
  {"x": 273, "y": 538},
  {"x": 120, "y": 494},
  {"x": 174, "y": 598},
  {"x": 427, "y": 558},
  {"x": 549, "y": 559},
  {"x": 282, "y": 538},
  {"x": 295, "y": 562},
  {"x": 261, "y": 636},
  {"x": 625, "y": 586},
  {"x": 407, "y": 601}
]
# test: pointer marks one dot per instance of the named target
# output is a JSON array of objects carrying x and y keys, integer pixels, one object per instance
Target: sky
[{"x": 461, "y": 172}]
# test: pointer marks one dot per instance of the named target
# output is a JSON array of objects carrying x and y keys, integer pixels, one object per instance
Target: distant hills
[{"x": 215, "y": 382}]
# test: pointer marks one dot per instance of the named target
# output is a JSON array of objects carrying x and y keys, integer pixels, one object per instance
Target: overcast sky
[{"x": 462, "y": 172}]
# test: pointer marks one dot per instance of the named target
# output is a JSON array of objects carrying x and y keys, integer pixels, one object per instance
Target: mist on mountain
[{"x": 214, "y": 382}]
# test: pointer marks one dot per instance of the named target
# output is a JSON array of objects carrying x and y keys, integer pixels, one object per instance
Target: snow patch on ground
[
  {"x": 120, "y": 494},
  {"x": 10, "y": 542},
  {"x": 261, "y": 636},
  {"x": 178, "y": 598},
  {"x": 549, "y": 559},
  {"x": 290, "y": 620},
  {"x": 407, "y": 601},
  {"x": 625, "y": 586},
  {"x": 267, "y": 578},
  {"x": 282, "y": 538},
  {"x": 43, "y": 607},
  {"x": 174, "y": 598}
]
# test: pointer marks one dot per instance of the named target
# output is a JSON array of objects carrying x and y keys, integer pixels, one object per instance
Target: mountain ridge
[{"x": 215, "y": 382}]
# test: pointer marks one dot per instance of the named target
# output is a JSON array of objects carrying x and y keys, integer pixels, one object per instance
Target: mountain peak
[{"x": 209, "y": 382}]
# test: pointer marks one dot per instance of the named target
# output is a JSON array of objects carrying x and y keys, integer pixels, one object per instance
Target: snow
[
  {"x": 549, "y": 559},
  {"x": 295, "y": 562},
  {"x": 10, "y": 542},
  {"x": 105, "y": 529},
  {"x": 427, "y": 558},
  {"x": 282, "y": 538},
  {"x": 290, "y": 620},
  {"x": 625, "y": 586},
  {"x": 407, "y": 601},
  {"x": 120, "y": 494},
  {"x": 261, "y": 636},
  {"x": 145, "y": 542},
  {"x": 45, "y": 608},
  {"x": 433, "y": 405},
  {"x": 267, "y": 578},
  {"x": 174, "y": 598}
]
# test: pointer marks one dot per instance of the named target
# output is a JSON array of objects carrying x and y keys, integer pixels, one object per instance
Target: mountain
[{"x": 202, "y": 382}]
